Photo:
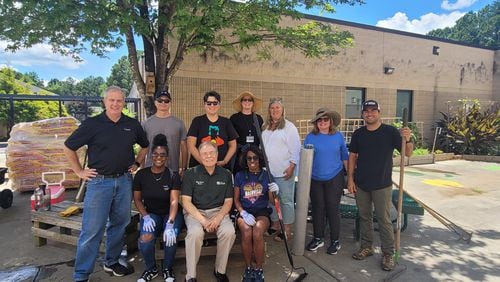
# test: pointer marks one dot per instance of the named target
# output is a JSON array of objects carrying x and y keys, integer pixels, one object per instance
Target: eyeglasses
[
  {"x": 162, "y": 101},
  {"x": 323, "y": 119},
  {"x": 212, "y": 103},
  {"x": 276, "y": 100},
  {"x": 246, "y": 100},
  {"x": 160, "y": 155},
  {"x": 252, "y": 158}
]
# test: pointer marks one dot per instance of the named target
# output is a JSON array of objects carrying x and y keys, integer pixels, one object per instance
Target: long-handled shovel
[
  {"x": 277, "y": 203},
  {"x": 397, "y": 254}
]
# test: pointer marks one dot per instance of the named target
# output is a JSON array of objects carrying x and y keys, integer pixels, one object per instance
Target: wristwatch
[{"x": 137, "y": 163}]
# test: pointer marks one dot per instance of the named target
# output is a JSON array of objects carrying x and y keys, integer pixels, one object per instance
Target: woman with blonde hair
[
  {"x": 281, "y": 142},
  {"x": 327, "y": 183}
]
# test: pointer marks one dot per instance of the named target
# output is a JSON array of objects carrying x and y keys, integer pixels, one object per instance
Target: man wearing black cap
[
  {"x": 370, "y": 177},
  {"x": 165, "y": 123}
]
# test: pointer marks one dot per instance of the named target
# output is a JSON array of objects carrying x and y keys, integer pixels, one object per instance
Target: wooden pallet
[{"x": 49, "y": 225}]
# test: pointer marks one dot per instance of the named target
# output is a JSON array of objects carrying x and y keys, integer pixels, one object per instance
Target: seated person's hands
[
  {"x": 248, "y": 218},
  {"x": 169, "y": 236},
  {"x": 274, "y": 188}
]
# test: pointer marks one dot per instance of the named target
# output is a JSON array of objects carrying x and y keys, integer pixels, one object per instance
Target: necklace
[{"x": 155, "y": 175}]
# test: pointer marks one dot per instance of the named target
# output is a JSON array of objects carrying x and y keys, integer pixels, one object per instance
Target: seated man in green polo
[{"x": 207, "y": 198}]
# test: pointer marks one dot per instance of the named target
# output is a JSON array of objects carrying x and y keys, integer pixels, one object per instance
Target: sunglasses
[
  {"x": 323, "y": 119},
  {"x": 161, "y": 155},
  {"x": 246, "y": 100},
  {"x": 276, "y": 100},
  {"x": 252, "y": 158},
  {"x": 210, "y": 103},
  {"x": 161, "y": 101}
]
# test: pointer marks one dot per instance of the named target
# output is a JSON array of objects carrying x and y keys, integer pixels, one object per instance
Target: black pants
[{"x": 325, "y": 201}]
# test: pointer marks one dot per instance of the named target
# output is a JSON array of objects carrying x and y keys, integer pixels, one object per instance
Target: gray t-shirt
[{"x": 174, "y": 129}]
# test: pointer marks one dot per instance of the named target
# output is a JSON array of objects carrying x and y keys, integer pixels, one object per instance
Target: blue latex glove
[
  {"x": 149, "y": 224},
  {"x": 274, "y": 188},
  {"x": 248, "y": 218},
  {"x": 169, "y": 236}
]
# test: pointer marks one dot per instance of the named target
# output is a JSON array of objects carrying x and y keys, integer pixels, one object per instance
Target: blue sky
[{"x": 418, "y": 16}]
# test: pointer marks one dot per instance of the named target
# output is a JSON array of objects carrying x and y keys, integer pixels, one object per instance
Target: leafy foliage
[
  {"x": 416, "y": 135},
  {"x": 24, "y": 110},
  {"x": 469, "y": 130},
  {"x": 121, "y": 74},
  {"x": 481, "y": 28},
  {"x": 170, "y": 29}
]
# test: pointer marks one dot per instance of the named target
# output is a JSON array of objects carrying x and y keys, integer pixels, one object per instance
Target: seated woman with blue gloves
[
  {"x": 156, "y": 196},
  {"x": 252, "y": 194}
]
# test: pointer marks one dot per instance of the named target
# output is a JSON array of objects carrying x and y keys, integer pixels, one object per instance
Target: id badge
[{"x": 250, "y": 139}]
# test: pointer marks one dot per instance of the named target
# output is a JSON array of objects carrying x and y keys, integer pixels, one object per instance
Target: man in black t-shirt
[{"x": 370, "y": 177}]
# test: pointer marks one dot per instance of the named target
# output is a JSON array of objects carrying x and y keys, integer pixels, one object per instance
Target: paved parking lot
[{"x": 465, "y": 192}]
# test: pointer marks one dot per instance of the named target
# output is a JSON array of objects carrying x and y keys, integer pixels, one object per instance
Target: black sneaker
[
  {"x": 334, "y": 247},
  {"x": 248, "y": 275},
  {"x": 168, "y": 275},
  {"x": 258, "y": 275},
  {"x": 315, "y": 244},
  {"x": 116, "y": 269},
  {"x": 220, "y": 277},
  {"x": 148, "y": 275}
]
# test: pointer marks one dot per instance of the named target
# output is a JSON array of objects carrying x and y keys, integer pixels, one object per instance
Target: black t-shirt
[
  {"x": 207, "y": 191},
  {"x": 110, "y": 144},
  {"x": 221, "y": 132},
  {"x": 245, "y": 128},
  {"x": 155, "y": 189},
  {"x": 374, "y": 148}
]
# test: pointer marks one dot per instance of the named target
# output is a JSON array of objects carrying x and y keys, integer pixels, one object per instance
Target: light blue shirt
[{"x": 329, "y": 153}]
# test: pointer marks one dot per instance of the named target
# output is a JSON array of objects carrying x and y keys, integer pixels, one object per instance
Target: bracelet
[{"x": 409, "y": 141}]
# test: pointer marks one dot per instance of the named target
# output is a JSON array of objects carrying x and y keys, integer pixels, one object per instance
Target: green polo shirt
[{"x": 207, "y": 191}]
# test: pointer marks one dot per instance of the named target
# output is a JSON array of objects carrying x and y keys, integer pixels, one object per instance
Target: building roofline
[{"x": 404, "y": 33}]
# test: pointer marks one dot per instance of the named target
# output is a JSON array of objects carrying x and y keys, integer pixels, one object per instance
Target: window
[
  {"x": 354, "y": 98},
  {"x": 404, "y": 99}
]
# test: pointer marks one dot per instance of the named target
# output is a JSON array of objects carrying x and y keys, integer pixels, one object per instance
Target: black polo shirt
[
  {"x": 110, "y": 144},
  {"x": 207, "y": 191}
]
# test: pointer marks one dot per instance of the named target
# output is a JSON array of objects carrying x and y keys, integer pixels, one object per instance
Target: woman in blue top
[
  {"x": 252, "y": 194},
  {"x": 327, "y": 183}
]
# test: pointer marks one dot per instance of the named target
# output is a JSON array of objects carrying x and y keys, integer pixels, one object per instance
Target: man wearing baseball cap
[
  {"x": 370, "y": 178},
  {"x": 163, "y": 122}
]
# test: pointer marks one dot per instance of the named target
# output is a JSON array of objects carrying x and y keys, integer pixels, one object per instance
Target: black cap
[
  {"x": 161, "y": 93},
  {"x": 370, "y": 104}
]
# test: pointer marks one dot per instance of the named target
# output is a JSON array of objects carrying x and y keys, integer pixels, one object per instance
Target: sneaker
[
  {"x": 315, "y": 244},
  {"x": 388, "y": 262},
  {"x": 334, "y": 247},
  {"x": 116, "y": 269},
  {"x": 220, "y": 277},
  {"x": 258, "y": 275},
  {"x": 248, "y": 275},
  {"x": 168, "y": 275},
  {"x": 148, "y": 275},
  {"x": 363, "y": 253}
]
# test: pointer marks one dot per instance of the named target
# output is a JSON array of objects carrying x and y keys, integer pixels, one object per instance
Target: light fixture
[
  {"x": 435, "y": 50},
  {"x": 388, "y": 70}
]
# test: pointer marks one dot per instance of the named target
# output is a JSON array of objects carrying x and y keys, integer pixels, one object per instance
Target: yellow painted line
[{"x": 442, "y": 183}]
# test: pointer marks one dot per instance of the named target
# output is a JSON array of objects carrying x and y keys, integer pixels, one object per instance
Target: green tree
[
  {"x": 121, "y": 74},
  {"x": 89, "y": 86},
  {"x": 169, "y": 29},
  {"x": 33, "y": 79},
  {"x": 481, "y": 28},
  {"x": 24, "y": 110}
]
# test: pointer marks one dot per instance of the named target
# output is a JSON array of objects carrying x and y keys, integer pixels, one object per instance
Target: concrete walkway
[{"x": 465, "y": 192}]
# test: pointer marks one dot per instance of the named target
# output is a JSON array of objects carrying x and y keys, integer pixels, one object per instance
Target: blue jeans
[
  {"x": 106, "y": 205},
  {"x": 147, "y": 248},
  {"x": 287, "y": 200}
]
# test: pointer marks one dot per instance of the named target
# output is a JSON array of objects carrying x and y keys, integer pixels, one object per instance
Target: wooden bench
[
  {"x": 409, "y": 207},
  {"x": 49, "y": 225}
]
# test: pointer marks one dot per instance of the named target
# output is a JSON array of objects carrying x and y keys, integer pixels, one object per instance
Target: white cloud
[
  {"x": 38, "y": 55},
  {"x": 422, "y": 25},
  {"x": 459, "y": 4}
]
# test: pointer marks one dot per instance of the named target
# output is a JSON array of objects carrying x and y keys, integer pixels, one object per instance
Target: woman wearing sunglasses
[
  {"x": 156, "y": 196},
  {"x": 211, "y": 127},
  {"x": 252, "y": 194},
  {"x": 327, "y": 183},
  {"x": 246, "y": 104}
]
